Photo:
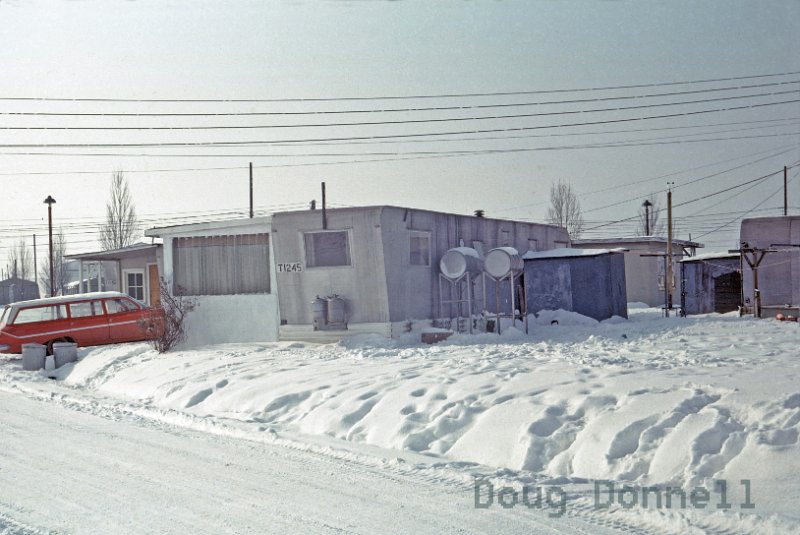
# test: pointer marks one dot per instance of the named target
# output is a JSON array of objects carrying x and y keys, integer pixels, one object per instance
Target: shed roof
[
  {"x": 710, "y": 256},
  {"x": 626, "y": 240},
  {"x": 569, "y": 253}
]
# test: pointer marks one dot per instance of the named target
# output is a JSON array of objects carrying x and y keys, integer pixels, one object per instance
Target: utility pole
[
  {"x": 668, "y": 281},
  {"x": 753, "y": 256},
  {"x": 324, "y": 212},
  {"x": 647, "y": 204},
  {"x": 50, "y": 201},
  {"x": 785, "y": 192},
  {"x": 35, "y": 265},
  {"x": 251, "y": 190}
]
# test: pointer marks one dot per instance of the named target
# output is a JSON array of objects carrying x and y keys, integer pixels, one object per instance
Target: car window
[
  {"x": 36, "y": 314},
  {"x": 115, "y": 306},
  {"x": 3, "y": 315},
  {"x": 85, "y": 309}
]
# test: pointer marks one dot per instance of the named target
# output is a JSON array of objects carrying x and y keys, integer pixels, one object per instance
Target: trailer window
[
  {"x": 420, "y": 254},
  {"x": 327, "y": 248}
]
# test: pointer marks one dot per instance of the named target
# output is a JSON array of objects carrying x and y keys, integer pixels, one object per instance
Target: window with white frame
[
  {"x": 221, "y": 265},
  {"x": 327, "y": 248},
  {"x": 134, "y": 283},
  {"x": 420, "y": 249}
]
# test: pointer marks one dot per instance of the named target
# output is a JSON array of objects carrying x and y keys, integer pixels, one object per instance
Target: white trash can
[
  {"x": 33, "y": 356},
  {"x": 65, "y": 352}
]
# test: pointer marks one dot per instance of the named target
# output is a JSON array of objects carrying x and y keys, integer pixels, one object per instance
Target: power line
[
  {"x": 404, "y": 121},
  {"x": 706, "y": 177},
  {"x": 429, "y": 134},
  {"x": 400, "y": 97},
  {"x": 697, "y": 199},
  {"x": 373, "y": 111},
  {"x": 747, "y": 212}
]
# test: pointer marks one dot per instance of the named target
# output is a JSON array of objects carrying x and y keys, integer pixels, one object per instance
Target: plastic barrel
[
  {"x": 336, "y": 310},
  {"x": 33, "y": 356},
  {"x": 65, "y": 352}
]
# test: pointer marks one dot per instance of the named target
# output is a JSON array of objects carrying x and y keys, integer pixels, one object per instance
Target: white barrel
[
  {"x": 65, "y": 352},
  {"x": 503, "y": 260},
  {"x": 460, "y": 260},
  {"x": 33, "y": 356}
]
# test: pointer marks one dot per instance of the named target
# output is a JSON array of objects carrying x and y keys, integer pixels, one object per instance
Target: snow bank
[{"x": 650, "y": 401}]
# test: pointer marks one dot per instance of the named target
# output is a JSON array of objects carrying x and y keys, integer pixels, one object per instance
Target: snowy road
[{"x": 68, "y": 471}]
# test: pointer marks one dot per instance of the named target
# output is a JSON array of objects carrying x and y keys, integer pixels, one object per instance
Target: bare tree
[
  {"x": 166, "y": 324},
  {"x": 59, "y": 266},
  {"x": 656, "y": 223},
  {"x": 20, "y": 263},
  {"x": 565, "y": 209},
  {"x": 121, "y": 224}
]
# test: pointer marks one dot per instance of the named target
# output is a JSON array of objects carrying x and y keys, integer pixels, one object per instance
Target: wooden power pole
[{"x": 668, "y": 271}]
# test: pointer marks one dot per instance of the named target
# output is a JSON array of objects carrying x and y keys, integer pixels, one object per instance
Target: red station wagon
[{"x": 86, "y": 319}]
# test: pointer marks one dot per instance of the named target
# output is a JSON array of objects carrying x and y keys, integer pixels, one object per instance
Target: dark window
[
  {"x": 221, "y": 265},
  {"x": 330, "y": 248},
  {"x": 420, "y": 249}
]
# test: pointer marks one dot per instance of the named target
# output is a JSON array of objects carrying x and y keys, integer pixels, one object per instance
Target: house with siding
[{"x": 134, "y": 270}]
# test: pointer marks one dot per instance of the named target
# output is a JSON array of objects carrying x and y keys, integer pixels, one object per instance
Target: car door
[
  {"x": 88, "y": 323},
  {"x": 124, "y": 317}
]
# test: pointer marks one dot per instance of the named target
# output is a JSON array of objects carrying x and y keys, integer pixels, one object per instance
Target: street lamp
[
  {"x": 647, "y": 204},
  {"x": 50, "y": 201}
]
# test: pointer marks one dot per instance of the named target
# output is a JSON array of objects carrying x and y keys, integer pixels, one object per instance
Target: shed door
[
  {"x": 154, "y": 284},
  {"x": 727, "y": 292}
]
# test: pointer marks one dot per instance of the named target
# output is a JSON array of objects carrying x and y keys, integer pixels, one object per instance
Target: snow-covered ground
[{"x": 680, "y": 405}]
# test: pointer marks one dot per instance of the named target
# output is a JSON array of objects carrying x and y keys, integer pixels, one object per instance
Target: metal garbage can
[
  {"x": 33, "y": 356},
  {"x": 65, "y": 352}
]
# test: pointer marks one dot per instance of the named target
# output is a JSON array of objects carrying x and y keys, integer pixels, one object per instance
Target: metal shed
[
  {"x": 590, "y": 282},
  {"x": 645, "y": 274},
  {"x": 16, "y": 289},
  {"x": 711, "y": 283}
]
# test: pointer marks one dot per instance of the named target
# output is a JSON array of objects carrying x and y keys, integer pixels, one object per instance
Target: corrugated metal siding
[{"x": 413, "y": 290}]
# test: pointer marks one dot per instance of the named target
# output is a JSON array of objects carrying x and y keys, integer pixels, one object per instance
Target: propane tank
[
  {"x": 336, "y": 311},
  {"x": 319, "y": 309}
]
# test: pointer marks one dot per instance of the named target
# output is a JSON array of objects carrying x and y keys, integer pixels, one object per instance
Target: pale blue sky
[{"x": 322, "y": 49}]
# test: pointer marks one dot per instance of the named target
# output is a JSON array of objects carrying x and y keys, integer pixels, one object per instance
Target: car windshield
[{"x": 3, "y": 315}]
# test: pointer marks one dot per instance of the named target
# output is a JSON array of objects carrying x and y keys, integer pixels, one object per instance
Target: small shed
[
  {"x": 645, "y": 271},
  {"x": 711, "y": 283},
  {"x": 590, "y": 282},
  {"x": 16, "y": 289}
]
